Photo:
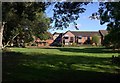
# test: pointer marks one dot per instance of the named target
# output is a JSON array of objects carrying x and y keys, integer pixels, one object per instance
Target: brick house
[
  {"x": 78, "y": 37},
  {"x": 70, "y": 37}
]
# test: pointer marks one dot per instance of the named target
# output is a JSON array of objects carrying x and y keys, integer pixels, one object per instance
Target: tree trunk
[{"x": 1, "y": 34}]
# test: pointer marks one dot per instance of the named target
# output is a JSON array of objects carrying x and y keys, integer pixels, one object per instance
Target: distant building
[
  {"x": 78, "y": 37},
  {"x": 70, "y": 37}
]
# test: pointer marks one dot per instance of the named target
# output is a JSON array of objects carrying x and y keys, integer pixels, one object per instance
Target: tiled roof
[{"x": 85, "y": 33}]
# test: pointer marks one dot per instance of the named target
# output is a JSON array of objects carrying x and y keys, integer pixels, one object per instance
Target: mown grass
[{"x": 60, "y": 64}]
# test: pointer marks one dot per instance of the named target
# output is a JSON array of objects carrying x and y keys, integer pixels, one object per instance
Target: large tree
[
  {"x": 109, "y": 13},
  {"x": 19, "y": 18},
  {"x": 64, "y": 14}
]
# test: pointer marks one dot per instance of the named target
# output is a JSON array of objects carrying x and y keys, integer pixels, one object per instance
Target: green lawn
[{"x": 60, "y": 64}]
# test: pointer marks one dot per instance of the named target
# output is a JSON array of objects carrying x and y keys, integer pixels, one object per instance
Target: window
[
  {"x": 79, "y": 37},
  {"x": 65, "y": 37}
]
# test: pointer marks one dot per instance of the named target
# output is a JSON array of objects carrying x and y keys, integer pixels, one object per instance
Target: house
[
  {"x": 71, "y": 37},
  {"x": 78, "y": 37}
]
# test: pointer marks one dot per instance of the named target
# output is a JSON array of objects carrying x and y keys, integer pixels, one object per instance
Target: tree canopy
[
  {"x": 40, "y": 26},
  {"x": 66, "y": 13},
  {"x": 110, "y": 13},
  {"x": 20, "y": 18}
]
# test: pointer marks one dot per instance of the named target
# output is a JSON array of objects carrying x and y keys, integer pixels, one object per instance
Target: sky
[{"x": 83, "y": 23}]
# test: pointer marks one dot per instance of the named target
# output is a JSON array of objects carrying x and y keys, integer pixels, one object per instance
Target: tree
[
  {"x": 66, "y": 13},
  {"x": 19, "y": 16},
  {"x": 109, "y": 13},
  {"x": 1, "y": 33},
  {"x": 41, "y": 25},
  {"x": 95, "y": 39},
  {"x": 112, "y": 39}
]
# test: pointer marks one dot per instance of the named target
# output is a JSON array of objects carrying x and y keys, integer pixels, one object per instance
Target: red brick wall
[
  {"x": 48, "y": 42},
  {"x": 69, "y": 35}
]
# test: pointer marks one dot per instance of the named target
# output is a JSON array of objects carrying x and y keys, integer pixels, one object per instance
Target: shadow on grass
[
  {"x": 86, "y": 50},
  {"x": 52, "y": 68}
]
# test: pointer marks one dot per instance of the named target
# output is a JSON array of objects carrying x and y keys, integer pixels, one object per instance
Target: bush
[
  {"x": 74, "y": 44},
  {"x": 95, "y": 39}
]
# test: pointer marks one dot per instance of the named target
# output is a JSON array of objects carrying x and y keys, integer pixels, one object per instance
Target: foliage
[
  {"x": 15, "y": 13},
  {"x": 74, "y": 44},
  {"x": 95, "y": 39},
  {"x": 20, "y": 19},
  {"x": 66, "y": 13},
  {"x": 41, "y": 25},
  {"x": 112, "y": 39},
  {"x": 109, "y": 12}
]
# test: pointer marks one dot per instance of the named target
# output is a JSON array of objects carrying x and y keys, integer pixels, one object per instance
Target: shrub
[
  {"x": 95, "y": 39},
  {"x": 74, "y": 44}
]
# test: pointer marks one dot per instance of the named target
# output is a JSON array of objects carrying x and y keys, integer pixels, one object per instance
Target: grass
[{"x": 60, "y": 64}]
